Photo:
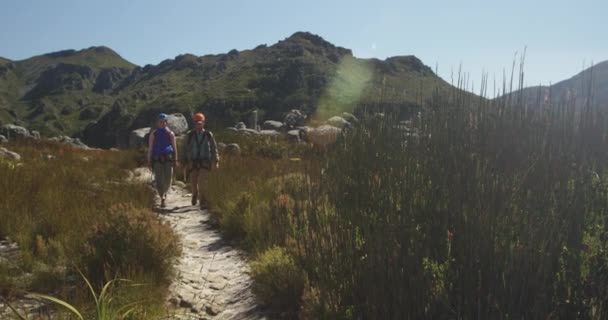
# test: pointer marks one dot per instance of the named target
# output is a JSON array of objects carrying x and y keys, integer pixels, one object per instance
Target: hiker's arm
[
  {"x": 174, "y": 144},
  {"x": 150, "y": 146},
  {"x": 185, "y": 149},
  {"x": 214, "y": 153}
]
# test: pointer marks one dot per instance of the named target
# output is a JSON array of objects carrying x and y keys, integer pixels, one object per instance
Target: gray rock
[
  {"x": 3, "y": 139},
  {"x": 273, "y": 125},
  {"x": 269, "y": 133},
  {"x": 137, "y": 137},
  {"x": 295, "y": 118},
  {"x": 142, "y": 175},
  {"x": 240, "y": 126},
  {"x": 293, "y": 136},
  {"x": 74, "y": 142},
  {"x": 177, "y": 123},
  {"x": 323, "y": 136},
  {"x": 249, "y": 132},
  {"x": 338, "y": 122},
  {"x": 232, "y": 129},
  {"x": 232, "y": 148},
  {"x": 350, "y": 117},
  {"x": 36, "y": 135},
  {"x": 221, "y": 146},
  {"x": 12, "y": 131},
  {"x": 10, "y": 155}
]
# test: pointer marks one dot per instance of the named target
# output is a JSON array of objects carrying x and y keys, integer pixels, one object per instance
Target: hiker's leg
[
  {"x": 203, "y": 182},
  {"x": 194, "y": 184},
  {"x": 166, "y": 170},
  {"x": 158, "y": 173}
]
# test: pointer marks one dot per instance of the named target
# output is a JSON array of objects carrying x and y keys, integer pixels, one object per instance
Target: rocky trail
[{"x": 212, "y": 279}]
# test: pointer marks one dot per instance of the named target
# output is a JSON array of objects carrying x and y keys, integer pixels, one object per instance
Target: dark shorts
[{"x": 163, "y": 158}]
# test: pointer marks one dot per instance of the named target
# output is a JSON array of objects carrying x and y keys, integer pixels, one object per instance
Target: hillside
[
  {"x": 100, "y": 96},
  {"x": 575, "y": 89}
]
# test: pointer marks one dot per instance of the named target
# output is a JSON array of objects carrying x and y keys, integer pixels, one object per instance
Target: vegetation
[
  {"x": 71, "y": 209},
  {"x": 481, "y": 209}
]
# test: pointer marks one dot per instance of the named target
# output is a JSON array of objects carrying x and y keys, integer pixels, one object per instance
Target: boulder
[
  {"x": 293, "y": 136},
  {"x": 137, "y": 138},
  {"x": 142, "y": 175},
  {"x": 249, "y": 132},
  {"x": 3, "y": 139},
  {"x": 323, "y": 136},
  {"x": 177, "y": 123},
  {"x": 10, "y": 155},
  {"x": 269, "y": 133},
  {"x": 232, "y": 129},
  {"x": 12, "y": 131},
  {"x": 240, "y": 126},
  {"x": 273, "y": 125},
  {"x": 338, "y": 122},
  {"x": 36, "y": 135},
  {"x": 350, "y": 117},
  {"x": 294, "y": 118},
  {"x": 221, "y": 146},
  {"x": 233, "y": 149},
  {"x": 74, "y": 142}
]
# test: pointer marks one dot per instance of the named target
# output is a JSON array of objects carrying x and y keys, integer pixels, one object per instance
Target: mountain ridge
[{"x": 96, "y": 94}]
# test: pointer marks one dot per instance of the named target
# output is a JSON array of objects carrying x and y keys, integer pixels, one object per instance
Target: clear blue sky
[{"x": 481, "y": 34}]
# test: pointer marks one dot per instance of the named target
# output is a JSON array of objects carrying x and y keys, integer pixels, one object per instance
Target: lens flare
[{"x": 345, "y": 89}]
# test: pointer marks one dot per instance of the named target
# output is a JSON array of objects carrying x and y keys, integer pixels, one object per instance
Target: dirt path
[{"x": 212, "y": 277}]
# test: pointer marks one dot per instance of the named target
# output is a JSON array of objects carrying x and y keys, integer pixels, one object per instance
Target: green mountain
[
  {"x": 96, "y": 94},
  {"x": 591, "y": 82}
]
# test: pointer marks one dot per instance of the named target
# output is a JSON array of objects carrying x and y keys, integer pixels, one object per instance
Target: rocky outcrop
[
  {"x": 10, "y": 155},
  {"x": 338, "y": 122},
  {"x": 110, "y": 78},
  {"x": 12, "y": 131},
  {"x": 323, "y": 136},
  {"x": 137, "y": 138},
  {"x": 233, "y": 149},
  {"x": 177, "y": 123},
  {"x": 73, "y": 142},
  {"x": 294, "y": 118},
  {"x": 273, "y": 125}
]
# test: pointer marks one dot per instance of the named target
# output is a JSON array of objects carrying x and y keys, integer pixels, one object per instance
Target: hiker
[
  {"x": 201, "y": 154},
  {"x": 162, "y": 155}
]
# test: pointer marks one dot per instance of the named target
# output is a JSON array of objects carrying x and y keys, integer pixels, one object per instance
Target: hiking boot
[{"x": 193, "y": 199}]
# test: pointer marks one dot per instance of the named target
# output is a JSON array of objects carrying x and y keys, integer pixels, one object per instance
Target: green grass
[{"x": 77, "y": 209}]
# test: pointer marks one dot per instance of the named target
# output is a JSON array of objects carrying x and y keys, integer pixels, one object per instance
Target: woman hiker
[
  {"x": 162, "y": 154},
  {"x": 202, "y": 156}
]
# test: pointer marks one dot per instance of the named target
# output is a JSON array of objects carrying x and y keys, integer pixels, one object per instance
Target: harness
[
  {"x": 198, "y": 163},
  {"x": 163, "y": 158}
]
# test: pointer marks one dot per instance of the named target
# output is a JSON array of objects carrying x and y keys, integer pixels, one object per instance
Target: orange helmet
[{"x": 199, "y": 117}]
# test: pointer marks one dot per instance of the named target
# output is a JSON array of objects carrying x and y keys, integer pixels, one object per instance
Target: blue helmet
[{"x": 162, "y": 116}]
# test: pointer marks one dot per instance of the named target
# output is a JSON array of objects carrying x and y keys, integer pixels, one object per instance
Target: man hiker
[
  {"x": 162, "y": 155},
  {"x": 202, "y": 157}
]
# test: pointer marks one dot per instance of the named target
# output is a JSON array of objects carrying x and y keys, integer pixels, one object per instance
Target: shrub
[
  {"x": 130, "y": 241},
  {"x": 278, "y": 281}
]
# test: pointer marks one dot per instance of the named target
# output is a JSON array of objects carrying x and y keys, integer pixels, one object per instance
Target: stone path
[{"x": 212, "y": 277}]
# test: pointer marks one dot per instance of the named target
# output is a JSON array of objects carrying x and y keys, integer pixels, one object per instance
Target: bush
[
  {"x": 278, "y": 281},
  {"x": 131, "y": 241}
]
